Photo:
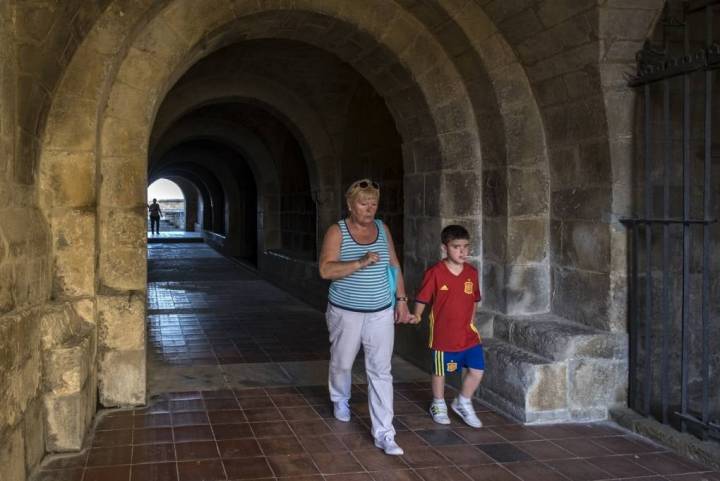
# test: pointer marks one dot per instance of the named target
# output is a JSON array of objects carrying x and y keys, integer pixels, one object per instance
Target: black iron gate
[{"x": 673, "y": 235}]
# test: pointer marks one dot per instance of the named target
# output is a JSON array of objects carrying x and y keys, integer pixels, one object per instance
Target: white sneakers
[
  {"x": 438, "y": 411},
  {"x": 389, "y": 445},
  {"x": 341, "y": 410},
  {"x": 466, "y": 411}
]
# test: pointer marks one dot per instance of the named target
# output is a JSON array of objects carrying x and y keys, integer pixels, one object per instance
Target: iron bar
[
  {"x": 647, "y": 384},
  {"x": 707, "y": 189},
  {"x": 685, "y": 338},
  {"x": 666, "y": 325},
  {"x": 695, "y": 5},
  {"x": 635, "y": 312}
]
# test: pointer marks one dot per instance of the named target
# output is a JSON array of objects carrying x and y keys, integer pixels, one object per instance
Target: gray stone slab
[
  {"x": 256, "y": 375},
  {"x": 162, "y": 378}
]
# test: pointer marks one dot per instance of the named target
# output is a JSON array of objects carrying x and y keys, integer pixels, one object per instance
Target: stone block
[
  {"x": 585, "y": 245},
  {"x": 533, "y": 197},
  {"x": 493, "y": 283},
  {"x": 556, "y": 11},
  {"x": 494, "y": 242},
  {"x": 71, "y": 125},
  {"x": 591, "y": 203},
  {"x": 66, "y": 420},
  {"x": 615, "y": 23},
  {"x": 541, "y": 47},
  {"x": 597, "y": 383},
  {"x": 426, "y": 154},
  {"x": 121, "y": 322},
  {"x": 74, "y": 253},
  {"x": 67, "y": 365},
  {"x": 495, "y": 193},
  {"x": 121, "y": 378},
  {"x": 521, "y": 26},
  {"x": 581, "y": 296},
  {"x": 12, "y": 455},
  {"x": 460, "y": 196},
  {"x": 460, "y": 150},
  {"x": 123, "y": 269},
  {"x": 527, "y": 240},
  {"x": 527, "y": 289},
  {"x": 33, "y": 434},
  {"x": 67, "y": 179},
  {"x": 551, "y": 91}
]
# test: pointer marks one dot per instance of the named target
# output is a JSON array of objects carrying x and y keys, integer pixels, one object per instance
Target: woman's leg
[
  {"x": 378, "y": 337},
  {"x": 345, "y": 333}
]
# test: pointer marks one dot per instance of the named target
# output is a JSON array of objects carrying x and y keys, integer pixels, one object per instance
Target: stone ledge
[
  {"x": 704, "y": 452},
  {"x": 556, "y": 338}
]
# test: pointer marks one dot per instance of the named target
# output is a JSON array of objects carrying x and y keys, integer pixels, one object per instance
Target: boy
[{"x": 451, "y": 286}]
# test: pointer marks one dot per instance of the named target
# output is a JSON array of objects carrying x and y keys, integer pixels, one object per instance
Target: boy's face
[{"x": 457, "y": 250}]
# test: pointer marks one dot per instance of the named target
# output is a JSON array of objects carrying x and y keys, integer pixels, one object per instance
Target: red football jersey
[{"x": 453, "y": 301}]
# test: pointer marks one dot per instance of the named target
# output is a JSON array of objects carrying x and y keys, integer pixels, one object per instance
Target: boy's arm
[{"x": 419, "y": 309}]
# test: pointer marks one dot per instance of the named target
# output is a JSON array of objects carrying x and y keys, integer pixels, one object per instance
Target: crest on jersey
[{"x": 468, "y": 287}]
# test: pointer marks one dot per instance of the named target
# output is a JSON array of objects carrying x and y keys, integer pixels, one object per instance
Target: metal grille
[{"x": 673, "y": 285}]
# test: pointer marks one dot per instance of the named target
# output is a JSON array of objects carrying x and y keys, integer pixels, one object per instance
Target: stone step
[
  {"x": 525, "y": 385},
  {"x": 556, "y": 338}
]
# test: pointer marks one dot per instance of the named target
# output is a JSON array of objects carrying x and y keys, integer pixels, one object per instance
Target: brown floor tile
[
  {"x": 254, "y": 402},
  {"x": 247, "y": 468},
  {"x": 667, "y": 464},
  {"x": 335, "y": 463},
  {"x": 119, "y": 437},
  {"x": 152, "y": 421},
  {"x": 70, "y": 474},
  {"x": 190, "y": 419},
  {"x": 231, "y": 416},
  {"x": 64, "y": 462},
  {"x": 375, "y": 460},
  {"x": 110, "y": 456},
  {"x": 192, "y": 433},
  {"x": 504, "y": 452},
  {"x": 180, "y": 405},
  {"x": 583, "y": 448},
  {"x": 400, "y": 475},
  {"x": 490, "y": 419},
  {"x": 154, "y": 472},
  {"x": 327, "y": 443},
  {"x": 354, "y": 441},
  {"x": 292, "y": 465},
  {"x": 262, "y": 414},
  {"x": 153, "y": 453},
  {"x": 287, "y": 400},
  {"x": 705, "y": 476},
  {"x": 579, "y": 469},
  {"x": 544, "y": 450},
  {"x": 298, "y": 413},
  {"x": 196, "y": 450},
  {"x": 152, "y": 436},
  {"x": 478, "y": 436},
  {"x": 490, "y": 472},
  {"x": 410, "y": 439},
  {"x": 266, "y": 429},
  {"x": 323, "y": 410},
  {"x": 354, "y": 426},
  {"x": 625, "y": 445},
  {"x": 349, "y": 477},
  {"x": 239, "y": 448},
  {"x": 250, "y": 392},
  {"x": 516, "y": 433},
  {"x": 217, "y": 394},
  {"x": 280, "y": 445},
  {"x": 309, "y": 428},
  {"x": 424, "y": 458},
  {"x": 444, "y": 473},
  {"x": 422, "y": 421},
  {"x": 107, "y": 473},
  {"x": 534, "y": 471},
  {"x": 232, "y": 431},
  {"x": 620, "y": 466},
  {"x": 464, "y": 455},
  {"x": 120, "y": 421},
  {"x": 208, "y": 470},
  {"x": 440, "y": 437}
]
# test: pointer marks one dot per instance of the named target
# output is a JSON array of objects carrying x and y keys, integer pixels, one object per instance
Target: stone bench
[{"x": 544, "y": 368}]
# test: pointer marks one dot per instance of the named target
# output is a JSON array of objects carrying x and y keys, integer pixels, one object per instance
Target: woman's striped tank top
[{"x": 365, "y": 290}]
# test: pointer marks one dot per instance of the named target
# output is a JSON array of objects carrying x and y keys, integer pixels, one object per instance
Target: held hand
[
  {"x": 369, "y": 258},
  {"x": 402, "y": 315}
]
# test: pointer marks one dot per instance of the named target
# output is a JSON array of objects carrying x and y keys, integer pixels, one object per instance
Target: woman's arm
[
  {"x": 330, "y": 265},
  {"x": 402, "y": 313}
]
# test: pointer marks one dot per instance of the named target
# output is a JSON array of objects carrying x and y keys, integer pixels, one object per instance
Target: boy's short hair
[{"x": 454, "y": 232}]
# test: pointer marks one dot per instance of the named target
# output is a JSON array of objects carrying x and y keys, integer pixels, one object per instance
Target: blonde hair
[{"x": 362, "y": 187}]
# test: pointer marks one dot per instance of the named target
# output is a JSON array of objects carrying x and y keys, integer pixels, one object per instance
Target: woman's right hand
[{"x": 368, "y": 259}]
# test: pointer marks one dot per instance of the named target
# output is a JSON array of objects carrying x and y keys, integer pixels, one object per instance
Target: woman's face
[{"x": 363, "y": 208}]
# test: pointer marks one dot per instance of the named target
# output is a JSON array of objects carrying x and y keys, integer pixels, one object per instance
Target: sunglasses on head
[{"x": 364, "y": 184}]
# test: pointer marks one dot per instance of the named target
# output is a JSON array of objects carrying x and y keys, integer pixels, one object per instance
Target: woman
[{"x": 355, "y": 256}]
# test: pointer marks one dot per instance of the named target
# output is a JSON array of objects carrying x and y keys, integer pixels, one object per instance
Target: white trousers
[{"x": 375, "y": 331}]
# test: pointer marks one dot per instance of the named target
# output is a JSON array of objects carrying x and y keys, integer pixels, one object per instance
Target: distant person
[
  {"x": 451, "y": 286},
  {"x": 155, "y": 214}
]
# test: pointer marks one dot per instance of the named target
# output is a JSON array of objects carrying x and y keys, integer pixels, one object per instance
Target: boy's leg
[
  {"x": 438, "y": 408},
  {"x": 471, "y": 382},
  {"x": 438, "y": 386}
]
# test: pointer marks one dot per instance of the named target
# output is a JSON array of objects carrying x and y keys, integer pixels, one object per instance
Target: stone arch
[
  {"x": 108, "y": 104},
  {"x": 255, "y": 153}
]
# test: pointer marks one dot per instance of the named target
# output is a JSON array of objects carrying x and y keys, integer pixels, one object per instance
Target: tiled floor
[{"x": 228, "y": 322}]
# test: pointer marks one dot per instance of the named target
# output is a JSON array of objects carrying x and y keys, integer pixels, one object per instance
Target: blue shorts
[{"x": 450, "y": 362}]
